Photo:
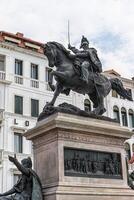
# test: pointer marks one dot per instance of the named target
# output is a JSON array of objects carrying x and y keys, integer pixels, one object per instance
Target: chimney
[{"x": 20, "y": 34}]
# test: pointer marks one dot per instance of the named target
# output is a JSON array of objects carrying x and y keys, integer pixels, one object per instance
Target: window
[
  {"x": 47, "y": 74},
  {"x": 34, "y": 71},
  {"x": 2, "y": 63},
  {"x": 114, "y": 94},
  {"x": 18, "y": 105},
  {"x": 116, "y": 113},
  {"x": 18, "y": 143},
  {"x": 87, "y": 105},
  {"x": 18, "y": 67},
  {"x": 124, "y": 117},
  {"x": 131, "y": 118},
  {"x": 34, "y": 108},
  {"x": 47, "y": 79}
]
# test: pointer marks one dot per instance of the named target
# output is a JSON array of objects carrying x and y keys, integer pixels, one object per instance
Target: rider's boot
[{"x": 84, "y": 75}]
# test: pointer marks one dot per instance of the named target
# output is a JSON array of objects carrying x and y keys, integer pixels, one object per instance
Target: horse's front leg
[
  {"x": 50, "y": 81},
  {"x": 58, "y": 90},
  {"x": 62, "y": 76}
]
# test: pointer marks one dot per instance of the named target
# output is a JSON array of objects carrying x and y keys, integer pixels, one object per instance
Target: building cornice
[
  {"x": 19, "y": 40},
  {"x": 12, "y": 47}
]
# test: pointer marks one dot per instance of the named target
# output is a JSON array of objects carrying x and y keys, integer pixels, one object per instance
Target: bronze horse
[{"x": 67, "y": 78}]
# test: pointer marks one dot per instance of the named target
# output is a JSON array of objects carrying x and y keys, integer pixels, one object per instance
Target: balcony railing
[
  {"x": 2, "y": 75},
  {"x": 34, "y": 83},
  {"x": 18, "y": 79}
]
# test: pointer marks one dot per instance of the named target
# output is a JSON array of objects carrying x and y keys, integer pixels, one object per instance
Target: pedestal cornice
[{"x": 69, "y": 122}]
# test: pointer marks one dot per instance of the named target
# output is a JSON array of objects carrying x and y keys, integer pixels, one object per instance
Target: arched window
[
  {"x": 124, "y": 117},
  {"x": 87, "y": 105},
  {"x": 116, "y": 114},
  {"x": 131, "y": 118}
]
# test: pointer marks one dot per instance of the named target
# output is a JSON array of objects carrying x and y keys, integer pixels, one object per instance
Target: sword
[{"x": 68, "y": 32}]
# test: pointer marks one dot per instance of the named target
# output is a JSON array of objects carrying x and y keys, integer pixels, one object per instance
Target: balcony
[
  {"x": 3, "y": 78},
  {"x": 18, "y": 79},
  {"x": 34, "y": 83},
  {"x": 2, "y": 75}
]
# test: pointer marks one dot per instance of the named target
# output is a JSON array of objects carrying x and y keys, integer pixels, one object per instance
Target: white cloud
[{"x": 46, "y": 20}]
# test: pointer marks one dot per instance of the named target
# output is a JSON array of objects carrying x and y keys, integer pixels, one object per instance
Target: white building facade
[{"x": 24, "y": 92}]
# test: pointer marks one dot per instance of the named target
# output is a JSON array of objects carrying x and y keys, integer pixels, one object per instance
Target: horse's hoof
[
  {"x": 99, "y": 112},
  {"x": 102, "y": 111},
  {"x": 94, "y": 112},
  {"x": 48, "y": 105}
]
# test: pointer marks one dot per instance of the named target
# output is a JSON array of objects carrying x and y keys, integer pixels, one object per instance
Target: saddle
[{"x": 98, "y": 78}]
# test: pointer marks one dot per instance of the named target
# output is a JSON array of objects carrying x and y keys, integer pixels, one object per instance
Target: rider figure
[{"x": 90, "y": 61}]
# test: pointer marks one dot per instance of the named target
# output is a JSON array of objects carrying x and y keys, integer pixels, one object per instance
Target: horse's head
[
  {"x": 55, "y": 53},
  {"x": 50, "y": 52}
]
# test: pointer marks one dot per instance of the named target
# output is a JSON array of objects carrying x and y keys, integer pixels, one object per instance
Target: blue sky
[
  {"x": 108, "y": 41},
  {"x": 108, "y": 24}
]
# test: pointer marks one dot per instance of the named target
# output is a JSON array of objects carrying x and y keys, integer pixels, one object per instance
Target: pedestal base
[{"x": 95, "y": 168}]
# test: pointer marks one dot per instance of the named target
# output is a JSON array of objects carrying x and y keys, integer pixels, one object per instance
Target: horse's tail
[{"x": 118, "y": 87}]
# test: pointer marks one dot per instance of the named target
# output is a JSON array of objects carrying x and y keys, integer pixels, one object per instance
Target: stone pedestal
[{"x": 60, "y": 132}]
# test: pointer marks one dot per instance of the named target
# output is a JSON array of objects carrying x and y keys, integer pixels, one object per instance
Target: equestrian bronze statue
[
  {"x": 80, "y": 72},
  {"x": 28, "y": 186}
]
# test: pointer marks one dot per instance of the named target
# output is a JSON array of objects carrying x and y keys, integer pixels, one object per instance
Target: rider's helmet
[{"x": 84, "y": 40}]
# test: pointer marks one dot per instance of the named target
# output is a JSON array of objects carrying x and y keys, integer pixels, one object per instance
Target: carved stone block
[{"x": 80, "y": 158}]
